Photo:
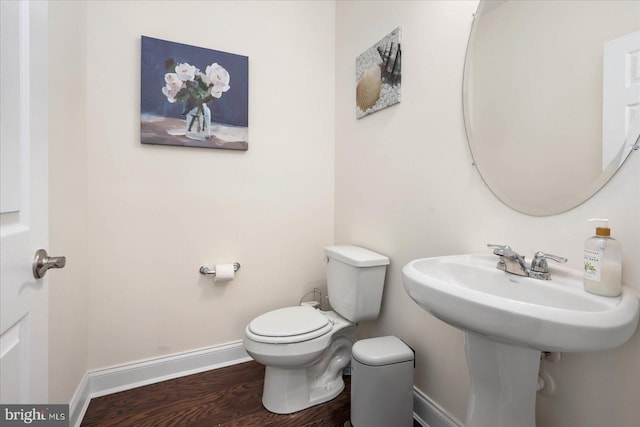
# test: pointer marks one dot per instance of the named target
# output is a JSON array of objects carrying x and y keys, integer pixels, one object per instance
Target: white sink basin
[
  {"x": 469, "y": 292},
  {"x": 507, "y": 320}
]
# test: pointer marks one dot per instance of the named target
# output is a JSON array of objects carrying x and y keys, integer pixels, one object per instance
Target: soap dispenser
[{"x": 603, "y": 262}]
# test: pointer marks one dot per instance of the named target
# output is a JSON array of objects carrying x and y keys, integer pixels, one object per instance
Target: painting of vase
[{"x": 193, "y": 96}]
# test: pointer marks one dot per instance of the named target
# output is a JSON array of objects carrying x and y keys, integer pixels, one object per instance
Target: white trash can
[{"x": 382, "y": 383}]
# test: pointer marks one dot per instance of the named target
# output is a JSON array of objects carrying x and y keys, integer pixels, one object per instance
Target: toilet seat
[{"x": 289, "y": 325}]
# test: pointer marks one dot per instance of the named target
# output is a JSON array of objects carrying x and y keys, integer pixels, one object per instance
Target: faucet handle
[
  {"x": 494, "y": 246},
  {"x": 505, "y": 251},
  {"x": 539, "y": 262},
  {"x": 500, "y": 249}
]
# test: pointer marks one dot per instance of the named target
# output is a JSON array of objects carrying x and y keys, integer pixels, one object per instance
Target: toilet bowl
[
  {"x": 304, "y": 349},
  {"x": 304, "y": 361}
]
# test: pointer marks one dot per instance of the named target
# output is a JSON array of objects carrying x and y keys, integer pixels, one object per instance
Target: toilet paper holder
[{"x": 206, "y": 270}]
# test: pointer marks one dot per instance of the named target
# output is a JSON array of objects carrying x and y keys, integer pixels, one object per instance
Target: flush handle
[{"x": 43, "y": 262}]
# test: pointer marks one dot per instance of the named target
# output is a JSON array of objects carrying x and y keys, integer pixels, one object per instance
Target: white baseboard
[
  {"x": 125, "y": 377},
  {"x": 429, "y": 414},
  {"x": 79, "y": 402}
]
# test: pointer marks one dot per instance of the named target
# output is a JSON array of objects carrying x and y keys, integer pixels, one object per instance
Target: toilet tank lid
[
  {"x": 356, "y": 256},
  {"x": 382, "y": 351}
]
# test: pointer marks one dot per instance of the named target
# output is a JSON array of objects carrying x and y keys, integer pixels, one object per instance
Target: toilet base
[
  {"x": 287, "y": 390},
  {"x": 291, "y": 390}
]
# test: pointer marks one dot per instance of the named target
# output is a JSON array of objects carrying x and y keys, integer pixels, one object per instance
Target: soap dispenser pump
[{"x": 603, "y": 262}]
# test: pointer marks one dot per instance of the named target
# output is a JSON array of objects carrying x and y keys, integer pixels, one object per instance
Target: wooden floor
[{"x": 222, "y": 397}]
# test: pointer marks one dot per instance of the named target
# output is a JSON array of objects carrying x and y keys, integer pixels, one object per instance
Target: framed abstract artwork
[
  {"x": 378, "y": 75},
  {"x": 193, "y": 97}
]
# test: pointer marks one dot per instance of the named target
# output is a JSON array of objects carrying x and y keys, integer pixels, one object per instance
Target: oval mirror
[{"x": 551, "y": 98}]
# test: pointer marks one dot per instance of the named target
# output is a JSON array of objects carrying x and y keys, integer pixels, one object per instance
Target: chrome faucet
[{"x": 514, "y": 263}]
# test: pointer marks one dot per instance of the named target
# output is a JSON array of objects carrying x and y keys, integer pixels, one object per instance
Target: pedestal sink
[{"x": 508, "y": 320}]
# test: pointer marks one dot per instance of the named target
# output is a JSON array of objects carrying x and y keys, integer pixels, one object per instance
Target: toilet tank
[{"x": 355, "y": 278}]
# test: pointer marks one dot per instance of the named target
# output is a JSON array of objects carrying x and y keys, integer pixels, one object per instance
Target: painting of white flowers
[
  {"x": 193, "y": 96},
  {"x": 378, "y": 75}
]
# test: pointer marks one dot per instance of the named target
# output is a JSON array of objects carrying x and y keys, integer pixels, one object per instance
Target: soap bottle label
[{"x": 592, "y": 262}]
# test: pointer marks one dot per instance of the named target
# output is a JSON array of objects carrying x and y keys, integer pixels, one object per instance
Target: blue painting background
[{"x": 232, "y": 108}]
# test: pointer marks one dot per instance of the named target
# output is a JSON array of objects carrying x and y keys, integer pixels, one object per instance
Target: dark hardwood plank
[{"x": 226, "y": 397}]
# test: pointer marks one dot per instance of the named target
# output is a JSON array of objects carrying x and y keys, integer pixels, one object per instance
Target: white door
[
  {"x": 23, "y": 207},
  {"x": 620, "y": 97}
]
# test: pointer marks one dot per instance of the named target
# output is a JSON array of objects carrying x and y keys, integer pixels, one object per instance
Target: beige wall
[
  {"x": 148, "y": 216},
  {"x": 405, "y": 186},
  {"x": 157, "y": 213},
  {"x": 68, "y": 193}
]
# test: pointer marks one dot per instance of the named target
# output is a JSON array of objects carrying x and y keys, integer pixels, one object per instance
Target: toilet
[{"x": 305, "y": 349}]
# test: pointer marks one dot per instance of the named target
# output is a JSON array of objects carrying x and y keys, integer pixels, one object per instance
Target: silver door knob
[{"x": 42, "y": 262}]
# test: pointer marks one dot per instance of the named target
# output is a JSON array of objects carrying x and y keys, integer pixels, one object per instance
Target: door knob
[{"x": 42, "y": 262}]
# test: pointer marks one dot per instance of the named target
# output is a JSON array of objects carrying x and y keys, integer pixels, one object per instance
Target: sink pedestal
[{"x": 504, "y": 381}]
